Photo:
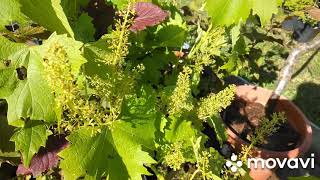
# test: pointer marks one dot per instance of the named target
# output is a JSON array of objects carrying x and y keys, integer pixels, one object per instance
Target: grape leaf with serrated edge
[
  {"x": 116, "y": 153},
  {"x": 147, "y": 14},
  {"x": 84, "y": 29},
  {"x": 48, "y": 13},
  {"x": 29, "y": 139},
  {"x": 46, "y": 158},
  {"x": 31, "y": 97},
  {"x": 71, "y": 46},
  {"x": 181, "y": 131},
  {"x": 8, "y": 47},
  {"x": 10, "y": 13},
  {"x": 171, "y": 36},
  {"x": 228, "y": 12}
]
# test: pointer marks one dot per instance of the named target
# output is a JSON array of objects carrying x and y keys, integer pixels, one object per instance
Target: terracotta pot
[{"x": 295, "y": 118}]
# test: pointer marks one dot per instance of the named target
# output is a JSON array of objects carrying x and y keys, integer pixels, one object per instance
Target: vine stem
[
  {"x": 286, "y": 74},
  {"x": 194, "y": 174},
  {"x": 123, "y": 31}
]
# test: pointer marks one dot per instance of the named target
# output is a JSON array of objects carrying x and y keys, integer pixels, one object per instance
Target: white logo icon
[{"x": 234, "y": 164}]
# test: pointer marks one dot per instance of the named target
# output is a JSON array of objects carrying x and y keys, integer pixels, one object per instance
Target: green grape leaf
[
  {"x": 94, "y": 155},
  {"x": 128, "y": 141},
  {"x": 72, "y": 47},
  {"x": 83, "y": 2},
  {"x": 117, "y": 152},
  {"x": 240, "y": 48},
  {"x": 213, "y": 161},
  {"x": 119, "y": 3},
  {"x": 72, "y": 8},
  {"x": 171, "y": 36},
  {"x": 114, "y": 153},
  {"x": 29, "y": 139},
  {"x": 28, "y": 96},
  {"x": 154, "y": 64},
  {"x": 216, "y": 163},
  {"x": 48, "y": 13},
  {"x": 8, "y": 47},
  {"x": 88, "y": 154},
  {"x": 265, "y": 10},
  {"x": 84, "y": 29},
  {"x": 219, "y": 128},
  {"x": 10, "y": 12},
  {"x": 181, "y": 131},
  {"x": 228, "y": 12},
  {"x": 231, "y": 65},
  {"x": 179, "y": 4},
  {"x": 172, "y": 33},
  {"x": 96, "y": 50},
  {"x": 235, "y": 34},
  {"x": 142, "y": 112}
]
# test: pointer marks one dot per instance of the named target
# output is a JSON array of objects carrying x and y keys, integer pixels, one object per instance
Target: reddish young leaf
[
  {"x": 147, "y": 14},
  {"x": 46, "y": 158}
]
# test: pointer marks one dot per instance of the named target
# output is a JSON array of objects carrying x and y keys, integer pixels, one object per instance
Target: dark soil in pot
[{"x": 243, "y": 117}]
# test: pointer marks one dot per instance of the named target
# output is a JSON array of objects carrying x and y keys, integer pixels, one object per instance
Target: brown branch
[{"x": 286, "y": 74}]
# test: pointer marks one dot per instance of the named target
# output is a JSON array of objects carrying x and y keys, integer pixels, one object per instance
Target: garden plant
[{"x": 127, "y": 89}]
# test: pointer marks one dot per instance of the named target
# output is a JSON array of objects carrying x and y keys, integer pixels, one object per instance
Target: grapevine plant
[{"x": 125, "y": 103}]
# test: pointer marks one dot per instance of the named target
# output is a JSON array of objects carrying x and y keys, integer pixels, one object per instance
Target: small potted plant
[{"x": 253, "y": 104}]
